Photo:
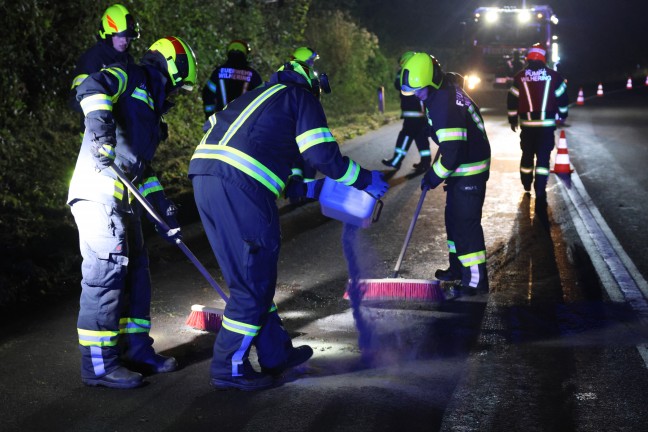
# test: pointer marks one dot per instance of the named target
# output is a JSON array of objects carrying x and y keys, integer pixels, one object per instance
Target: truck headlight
[{"x": 472, "y": 81}]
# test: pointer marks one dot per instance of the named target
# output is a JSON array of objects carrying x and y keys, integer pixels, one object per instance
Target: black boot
[
  {"x": 120, "y": 378},
  {"x": 390, "y": 163},
  {"x": 447, "y": 275},
  {"x": 150, "y": 363},
  {"x": 296, "y": 357},
  {"x": 423, "y": 165}
]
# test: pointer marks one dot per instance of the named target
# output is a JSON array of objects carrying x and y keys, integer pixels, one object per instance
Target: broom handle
[
  {"x": 409, "y": 232},
  {"x": 149, "y": 208}
]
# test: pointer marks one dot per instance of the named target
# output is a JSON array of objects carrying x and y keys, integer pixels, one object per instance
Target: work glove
[
  {"x": 430, "y": 180},
  {"x": 378, "y": 186},
  {"x": 314, "y": 188},
  {"x": 295, "y": 188},
  {"x": 103, "y": 154},
  {"x": 167, "y": 210},
  {"x": 514, "y": 127}
]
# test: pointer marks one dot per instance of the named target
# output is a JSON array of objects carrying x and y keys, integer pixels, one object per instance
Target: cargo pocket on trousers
[{"x": 105, "y": 270}]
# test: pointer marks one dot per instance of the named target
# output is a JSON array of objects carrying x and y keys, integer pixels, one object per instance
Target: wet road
[{"x": 546, "y": 350}]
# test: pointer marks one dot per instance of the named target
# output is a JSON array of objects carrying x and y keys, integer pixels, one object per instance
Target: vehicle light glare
[
  {"x": 472, "y": 81},
  {"x": 491, "y": 16},
  {"x": 554, "y": 53},
  {"x": 524, "y": 16}
]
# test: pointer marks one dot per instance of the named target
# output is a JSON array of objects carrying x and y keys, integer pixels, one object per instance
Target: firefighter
[
  {"x": 462, "y": 163},
  {"x": 414, "y": 128},
  {"x": 239, "y": 169},
  {"x": 306, "y": 55},
  {"x": 123, "y": 105},
  {"x": 116, "y": 31},
  {"x": 538, "y": 95},
  {"x": 231, "y": 79},
  {"x": 301, "y": 168}
]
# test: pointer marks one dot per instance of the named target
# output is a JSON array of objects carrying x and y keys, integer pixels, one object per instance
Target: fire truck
[{"x": 497, "y": 39}]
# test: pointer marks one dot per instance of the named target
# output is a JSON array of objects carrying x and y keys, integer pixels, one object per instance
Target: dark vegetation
[{"x": 39, "y": 137}]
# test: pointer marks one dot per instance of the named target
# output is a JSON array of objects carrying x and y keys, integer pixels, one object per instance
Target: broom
[
  {"x": 201, "y": 317},
  {"x": 395, "y": 288}
]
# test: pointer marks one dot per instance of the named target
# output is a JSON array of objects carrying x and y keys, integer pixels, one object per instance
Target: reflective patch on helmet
[{"x": 111, "y": 23}]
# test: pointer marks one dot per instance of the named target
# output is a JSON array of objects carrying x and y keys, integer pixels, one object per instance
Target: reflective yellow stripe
[
  {"x": 247, "y": 112},
  {"x": 134, "y": 325},
  {"x": 97, "y": 338},
  {"x": 473, "y": 258},
  {"x": 313, "y": 137},
  {"x": 78, "y": 80},
  {"x": 243, "y": 162},
  {"x": 96, "y": 102},
  {"x": 240, "y": 327}
]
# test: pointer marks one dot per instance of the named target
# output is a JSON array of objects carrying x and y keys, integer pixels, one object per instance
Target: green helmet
[
  {"x": 239, "y": 45},
  {"x": 177, "y": 58},
  {"x": 117, "y": 21},
  {"x": 419, "y": 71},
  {"x": 306, "y": 55},
  {"x": 406, "y": 56},
  {"x": 304, "y": 70}
]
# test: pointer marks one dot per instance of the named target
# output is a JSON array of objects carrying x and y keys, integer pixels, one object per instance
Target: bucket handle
[{"x": 377, "y": 211}]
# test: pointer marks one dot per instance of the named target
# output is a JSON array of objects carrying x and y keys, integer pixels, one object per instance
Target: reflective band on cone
[
  {"x": 580, "y": 100},
  {"x": 561, "y": 163},
  {"x": 599, "y": 92},
  {"x": 629, "y": 84}
]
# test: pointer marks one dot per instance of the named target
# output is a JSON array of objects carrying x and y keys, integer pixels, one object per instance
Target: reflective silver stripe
[
  {"x": 313, "y": 137},
  {"x": 121, "y": 77},
  {"x": 78, "y": 80},
  {"x": 243, "y": 162},
  {"x": 96, "y": 102},
  {"x": 223, "y": 91},
  {"x": 412, "y": 114},
  {"x": 528, "y": 95},
  {"x": 351, "y": 174},
  {"x": 247, "y": 112},
  {"x": 470, "y": 169},
  {"x": 144, "y": 96},
  {"x": 545, "y": 99},
  {"x": 240, "y": 327},
  {"x": 538, "y": 123},
  {"x": 514, "y": 91},
  {"x": 452, "y": 134},
  {"x": 473, "y": 258}
]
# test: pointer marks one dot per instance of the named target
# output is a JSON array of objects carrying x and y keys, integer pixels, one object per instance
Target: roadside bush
[{"x": 39, "y": 137}]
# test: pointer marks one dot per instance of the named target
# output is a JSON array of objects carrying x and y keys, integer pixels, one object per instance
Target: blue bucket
[{"x": 348, "y": 204}]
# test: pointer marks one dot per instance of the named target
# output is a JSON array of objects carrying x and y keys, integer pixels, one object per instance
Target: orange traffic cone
[
  {"x": 561, "y": 164},
  {"x": 580, "y": 100},
  {"x": 629, "y": 83},
  {"x": 646, "y": 83},
  {"x": 599, "y": 92}
]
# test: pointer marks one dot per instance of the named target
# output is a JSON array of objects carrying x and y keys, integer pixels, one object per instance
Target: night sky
[{"x": 600, "y": 39}]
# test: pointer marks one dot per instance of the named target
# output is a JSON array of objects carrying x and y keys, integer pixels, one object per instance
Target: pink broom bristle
[
  {"x": 395, "y": 288},
  {"x": 205, "y": 318}
]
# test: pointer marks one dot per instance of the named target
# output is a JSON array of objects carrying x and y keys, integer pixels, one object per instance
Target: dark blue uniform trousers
[
  {"x": 463, "y": 212},
  {"x": 536, "y": 144},
  {"x": 114, "y": 315},
  {"x": 414, "y": 129},
  {"x": 242, "y": 225}
]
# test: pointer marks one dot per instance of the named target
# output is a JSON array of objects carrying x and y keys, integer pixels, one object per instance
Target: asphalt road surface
[{"x": 553, "y": 347}]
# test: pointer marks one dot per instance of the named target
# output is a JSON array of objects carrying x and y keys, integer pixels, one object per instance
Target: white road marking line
[{"x": 619, "y": 276}]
